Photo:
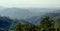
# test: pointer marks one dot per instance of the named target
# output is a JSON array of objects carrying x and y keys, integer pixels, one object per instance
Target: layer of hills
[
  {"x": 24, "y": 13},
  {"x": 29, "y": 16}
]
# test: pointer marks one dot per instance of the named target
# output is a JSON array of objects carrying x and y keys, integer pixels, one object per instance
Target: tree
[
  {"x": 58, "y": 29},
  {"x": 19, "y": 27},
  {"x": 34, "y": 28},
  {"x": 47, "y": 24}
]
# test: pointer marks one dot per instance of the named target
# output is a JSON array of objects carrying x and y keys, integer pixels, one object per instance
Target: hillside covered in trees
[{"x": 47, "y": 24}]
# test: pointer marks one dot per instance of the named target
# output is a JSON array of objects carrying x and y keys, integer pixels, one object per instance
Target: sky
[{"x": 30, "y": 3}]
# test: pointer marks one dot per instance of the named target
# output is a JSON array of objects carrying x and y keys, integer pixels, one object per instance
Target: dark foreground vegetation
[{"x": 47, "y": 24}]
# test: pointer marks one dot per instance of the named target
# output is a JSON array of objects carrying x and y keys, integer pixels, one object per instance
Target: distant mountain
[
  {"x": 30, "y": 14},
  {"x": 24, "y": 13},
  {"x": 55, "y": 16},
  {"x": 42, "y": 10},
  {"x": 16, "y": 13},
  {"x": 38, "y": 19}
]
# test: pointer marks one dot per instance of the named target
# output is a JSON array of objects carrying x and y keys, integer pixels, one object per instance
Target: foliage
[{"x": 47, "y": 24}]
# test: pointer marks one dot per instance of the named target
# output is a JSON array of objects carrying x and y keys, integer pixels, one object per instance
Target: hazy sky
[{"x": 30, "y": 3}]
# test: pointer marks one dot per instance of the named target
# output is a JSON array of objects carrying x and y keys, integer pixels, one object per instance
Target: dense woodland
[{"x": 47, "y": 24}]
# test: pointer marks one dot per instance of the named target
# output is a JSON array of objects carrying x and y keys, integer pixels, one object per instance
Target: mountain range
[
  {"x": 21, "y": 13},
  {"x": 29, "y": 16}
]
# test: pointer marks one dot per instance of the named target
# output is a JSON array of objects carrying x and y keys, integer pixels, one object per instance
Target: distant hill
[
  {"x": 29, "y": 16},
  {"x": 16, "y": 13},
  {"x": 25, "y": 13},
  {"x": 38, "y": 19}
]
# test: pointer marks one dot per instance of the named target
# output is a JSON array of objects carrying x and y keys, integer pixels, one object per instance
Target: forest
[{"x": 47, "y": 24}]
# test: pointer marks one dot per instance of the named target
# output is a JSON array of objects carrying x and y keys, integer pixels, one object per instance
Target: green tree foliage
[
  {"x": 47, "y": 23},
  {"x": 26, "y": 27},
  {"x": 19, "y": 27},
  {"x": 58, "y": 28}
]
